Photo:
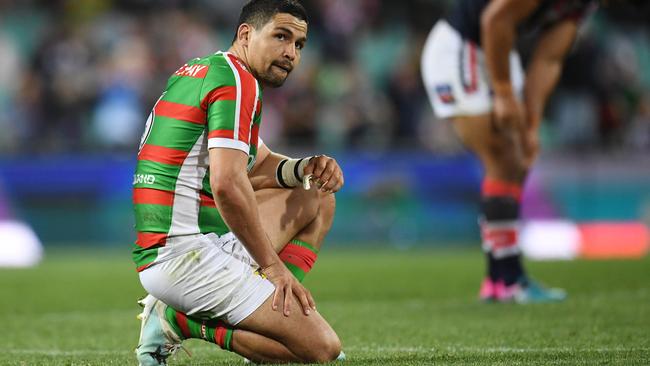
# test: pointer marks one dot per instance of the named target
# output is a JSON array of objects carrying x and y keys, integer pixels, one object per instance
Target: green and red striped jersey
[{"x": 211, "y": 102}]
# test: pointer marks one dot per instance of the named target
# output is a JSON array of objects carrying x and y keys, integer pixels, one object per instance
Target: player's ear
[{"x": 244, "y": 33}]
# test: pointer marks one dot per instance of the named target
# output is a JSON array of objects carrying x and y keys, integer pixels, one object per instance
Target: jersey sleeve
[{"x": 230, "y": 103}]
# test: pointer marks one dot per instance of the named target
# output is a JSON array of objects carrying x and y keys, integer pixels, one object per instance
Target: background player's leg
[
  {"x": 504, "y": 162},
  {"x": 296, "y": 221}
]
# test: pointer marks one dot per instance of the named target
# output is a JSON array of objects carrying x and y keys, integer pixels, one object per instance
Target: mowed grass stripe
[{"x": 389, "y": 308}]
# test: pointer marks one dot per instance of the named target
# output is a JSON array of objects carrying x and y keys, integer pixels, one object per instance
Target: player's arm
[
  {"x": 545, "y": 68},
  {"x": 274, "y": 170},
  {"x": 499, "y": 23},
  {"x": 234, "y": 196},
  {"x": 263, "y": 174}
]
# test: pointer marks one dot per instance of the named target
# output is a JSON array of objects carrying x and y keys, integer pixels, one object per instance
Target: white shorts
[
  {"x": 455, "y": 75},
  {"x": 208, "y": 276}
]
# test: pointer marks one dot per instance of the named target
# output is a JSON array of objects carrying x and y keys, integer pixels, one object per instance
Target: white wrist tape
[{"x": 290, "y": 172}]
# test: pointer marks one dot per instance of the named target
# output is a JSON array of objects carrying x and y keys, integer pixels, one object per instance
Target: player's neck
[{"x": 241, "y": 54}]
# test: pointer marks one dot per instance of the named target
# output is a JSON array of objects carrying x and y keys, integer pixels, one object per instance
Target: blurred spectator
[{"x": 82, "y": 76}]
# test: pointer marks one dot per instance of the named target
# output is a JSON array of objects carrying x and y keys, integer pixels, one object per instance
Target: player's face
[{"x": 275, "y": 49}]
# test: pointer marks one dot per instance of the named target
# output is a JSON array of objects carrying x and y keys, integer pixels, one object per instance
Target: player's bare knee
[{"x": 326, "y": 349}]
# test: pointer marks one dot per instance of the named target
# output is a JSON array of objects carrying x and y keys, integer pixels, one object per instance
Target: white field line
[
  {"x": 72, "y": 352},
  {"x": 495, "y": 349},
  {"x": 351, "y": 350}
]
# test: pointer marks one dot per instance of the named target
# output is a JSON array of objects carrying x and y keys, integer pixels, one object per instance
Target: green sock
[{"x": 212, "y": 330}]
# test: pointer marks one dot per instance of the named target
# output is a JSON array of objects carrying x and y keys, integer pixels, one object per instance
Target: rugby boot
[
  {"x": 527, "y": 291},
  {"x": 487, "y": 293},
  {"x": 158, "y": 341}
]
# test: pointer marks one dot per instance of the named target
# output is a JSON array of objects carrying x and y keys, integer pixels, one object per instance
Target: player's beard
[{"x": 274, "y": 78}]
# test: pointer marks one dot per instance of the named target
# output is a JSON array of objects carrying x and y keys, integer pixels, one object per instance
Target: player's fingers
[
  {"x": 304, "y": 301},
  {"x": 320, "y": 163},
  {"x": 309, "y": 168},
  {"x": 326, "y": 177},
  {"x": 330, "y": 185},
  {"x": 276, "y": 298},
  {"x": 335, "y": 184},
  {"x": 311, "y": 301},
  {"x": 287, "y": 300}
]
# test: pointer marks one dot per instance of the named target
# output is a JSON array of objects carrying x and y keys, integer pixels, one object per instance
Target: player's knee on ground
[{"x": 326, "y": 348}]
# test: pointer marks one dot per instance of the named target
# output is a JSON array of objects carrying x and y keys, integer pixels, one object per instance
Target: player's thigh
[
  {"x": 208, "y": 277},
  {"x": 309, "y": 337},
  {"x": 477, "y": 133},
  {"x": 285, "y": 212}
]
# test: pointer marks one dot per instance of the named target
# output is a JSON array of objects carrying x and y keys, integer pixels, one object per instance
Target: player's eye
[
  {"x": 281, "y": 37},
  {"x": 300, "y": 45}
]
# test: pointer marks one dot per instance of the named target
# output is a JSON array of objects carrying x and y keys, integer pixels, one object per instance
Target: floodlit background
[{"x": 78, "y": 78}]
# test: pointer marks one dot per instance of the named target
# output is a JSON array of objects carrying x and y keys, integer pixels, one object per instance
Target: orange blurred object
[{"x": 602, "y": 240}]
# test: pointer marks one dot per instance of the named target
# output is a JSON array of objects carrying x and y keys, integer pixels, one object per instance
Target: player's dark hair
[{"x": 258, "y": 12}]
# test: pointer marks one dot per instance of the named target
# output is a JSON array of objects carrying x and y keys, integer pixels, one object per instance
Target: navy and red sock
[{"x": 500, "y": 208}]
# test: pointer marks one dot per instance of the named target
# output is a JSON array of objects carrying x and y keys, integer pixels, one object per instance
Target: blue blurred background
[{"x": 77, "y": 80}]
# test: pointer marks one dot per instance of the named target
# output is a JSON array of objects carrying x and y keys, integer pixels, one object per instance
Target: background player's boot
[
  {"x": 158, "y": 340},
  {"x": 487, "y": 293},
  {"x": 527, "y": 291},
  {"x": 530, "y": 291}
]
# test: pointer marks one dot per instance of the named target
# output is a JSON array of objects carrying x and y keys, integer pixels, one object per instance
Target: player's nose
[{"x": 290, "y": 52}]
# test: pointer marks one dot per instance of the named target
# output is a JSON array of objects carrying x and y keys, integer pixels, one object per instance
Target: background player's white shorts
[
  {"x": 208, "y": 276},
  {"x": 455, "y": 75}
]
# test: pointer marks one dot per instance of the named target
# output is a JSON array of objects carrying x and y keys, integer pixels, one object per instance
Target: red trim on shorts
[
  {"x": 473, "y": 72},
  {"x": 496, "y": 188}
]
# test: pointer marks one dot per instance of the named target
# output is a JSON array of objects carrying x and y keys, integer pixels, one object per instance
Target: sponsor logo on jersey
[
  {"x": 445, "y": 93},
  {"x": 144, "y": 179},
  {"x": 193, "y": 71}
]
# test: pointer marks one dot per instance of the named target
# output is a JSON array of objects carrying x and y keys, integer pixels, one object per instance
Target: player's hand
[
  {"x": 326, "y": 172},
  {"x": 287, "y": 286},
  {"x": 531, "y": 145},
  {"x": 508, "y": 113}
]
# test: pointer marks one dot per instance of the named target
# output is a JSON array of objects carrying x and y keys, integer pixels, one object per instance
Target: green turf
[{"x": 389, "y": 308}]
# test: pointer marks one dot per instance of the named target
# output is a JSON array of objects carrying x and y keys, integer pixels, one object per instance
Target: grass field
[{"x": 389, "y": 308}]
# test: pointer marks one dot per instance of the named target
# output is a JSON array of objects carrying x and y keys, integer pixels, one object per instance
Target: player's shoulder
[
  {"x": 220, "y": 68},
  {"x": 200, "y": 67}
]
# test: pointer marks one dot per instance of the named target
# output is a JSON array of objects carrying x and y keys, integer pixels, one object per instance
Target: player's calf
[{"x": 301, "y": 252}]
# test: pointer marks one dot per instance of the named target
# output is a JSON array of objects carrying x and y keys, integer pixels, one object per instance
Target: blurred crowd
[{"x": 81, "y": 76}]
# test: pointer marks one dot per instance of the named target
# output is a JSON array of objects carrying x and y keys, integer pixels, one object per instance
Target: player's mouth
[{"x": 283, "y": 66}]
